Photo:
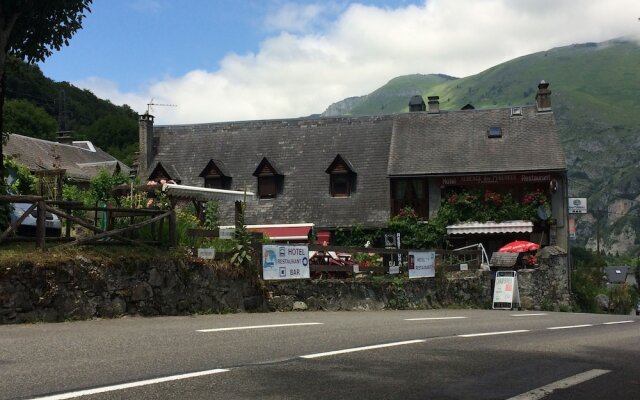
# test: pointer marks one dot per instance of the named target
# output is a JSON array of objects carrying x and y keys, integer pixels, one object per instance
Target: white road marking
[
  {"x": 352, "y": 350},
  {"x": 617, "y": 322},
  {"x": 129, "y": 385},
  {"x": 569, "y": 326},
  {"x": 432, "y": 318},
  {"x": 237, "y": 328},
  {"x": 528, "y": 315},
  {"x": 546, "y": 390},
  {"x": 493, "y": 333}
]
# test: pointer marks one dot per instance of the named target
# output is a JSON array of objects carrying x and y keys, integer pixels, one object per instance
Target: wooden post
[
  {"x": 173, "y": 238},
  {"x": 40, "y": 224},
  {"x": 239, "y": 217}
]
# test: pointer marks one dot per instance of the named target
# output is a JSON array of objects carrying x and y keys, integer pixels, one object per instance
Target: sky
[{"x": 230, "y": 60}]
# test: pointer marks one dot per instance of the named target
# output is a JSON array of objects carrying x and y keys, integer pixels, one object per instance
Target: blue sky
[{"x": 231, "y": 60}]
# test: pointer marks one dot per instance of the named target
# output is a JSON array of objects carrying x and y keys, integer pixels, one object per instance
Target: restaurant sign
[{"x": 505, "y": 179}]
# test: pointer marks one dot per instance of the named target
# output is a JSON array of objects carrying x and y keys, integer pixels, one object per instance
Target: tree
[
  {"x": 25, "y": 118},
  {"x": 31, "y": 30}
]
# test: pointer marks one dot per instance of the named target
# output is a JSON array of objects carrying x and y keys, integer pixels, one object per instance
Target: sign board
[
  {"x": 572, "y": 228},
  {"x": 464, "y": 267},
  {"x": 207, "y": 253},
  {"x": 285, "y": 262},
  {"x": 506, "y": 295},
  {"x": 394, "y": 270},
  {"x": 422, "y": 264},
  {"x": 227, "y": 233},
  {"x": 577, "y": 205}
]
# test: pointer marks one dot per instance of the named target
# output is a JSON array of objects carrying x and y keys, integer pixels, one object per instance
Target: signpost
[
  {"x": 422, "y": 264},
  {"x": 285, "y": 262},
  {"x": 506, "y": 294}
]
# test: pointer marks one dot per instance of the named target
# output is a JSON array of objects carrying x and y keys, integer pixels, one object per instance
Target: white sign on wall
[
  {"x": 577, "y": 205},
  {"x": 285, "y": 262},
  {"x": 206, "y": 253},
  {"x": 422, "y": 264}
]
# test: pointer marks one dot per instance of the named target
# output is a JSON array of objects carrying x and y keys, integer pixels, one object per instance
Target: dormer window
[
  {"x": 161, "y": 172},
  {"x": 269, "y": 179},
  {"x": 215, "y": 175},
  {"x": 342, "y": 177}
]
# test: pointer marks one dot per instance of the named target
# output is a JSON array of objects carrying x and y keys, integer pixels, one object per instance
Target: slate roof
[
  {"x": 456, "y": 142},
  {"x": 302, "y": 149},
  {"x": 81, "y": 162},
  {"x": 616, "y": 274}
]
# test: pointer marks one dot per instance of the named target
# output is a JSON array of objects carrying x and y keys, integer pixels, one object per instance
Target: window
[
  {"x": 215, "y": 175},
  {"x": 494, "y": 132},
  {"x": 410, "y": 192},
  {"x": 270, "y": 181},
  {"x": 341, "y": 177}
]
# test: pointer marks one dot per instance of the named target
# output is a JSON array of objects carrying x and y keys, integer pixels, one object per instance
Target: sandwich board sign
[
  {"x": 285, "y": 262},
  {"x": 506, "y": 295}
]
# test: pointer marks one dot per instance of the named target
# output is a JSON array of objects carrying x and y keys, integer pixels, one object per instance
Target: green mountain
[{"x": 596, "y": 101}]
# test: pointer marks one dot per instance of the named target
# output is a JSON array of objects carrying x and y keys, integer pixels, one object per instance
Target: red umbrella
[{"x": 519, "y": 246}]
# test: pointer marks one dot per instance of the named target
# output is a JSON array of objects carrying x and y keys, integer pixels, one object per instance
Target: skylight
[{"x": 494, "y": 132}]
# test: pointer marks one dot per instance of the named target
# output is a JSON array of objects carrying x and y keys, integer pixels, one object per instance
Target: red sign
[{"x": 507, "y": 179}]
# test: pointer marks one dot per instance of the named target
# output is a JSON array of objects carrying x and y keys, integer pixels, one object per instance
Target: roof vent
[
  {"x": 516, "y": 111},
  {"x": 494, "y": 132}
]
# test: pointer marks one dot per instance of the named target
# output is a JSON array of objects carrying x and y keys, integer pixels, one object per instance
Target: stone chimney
[
  {"x": 417, "y": 104},
  {"x": 434, "y": 104},
  {"x": 145, "y": 139},
  {"x": 543, "y": 97}
]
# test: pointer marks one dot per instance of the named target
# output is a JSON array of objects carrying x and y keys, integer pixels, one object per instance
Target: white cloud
[
  {"x": 295, "y": 74},
  {"x": 294, "y": 17}
]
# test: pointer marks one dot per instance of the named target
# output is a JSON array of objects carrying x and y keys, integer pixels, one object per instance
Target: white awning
[
  {"x": 468, "y": 228},
  {"x": 203, "y": 194}
]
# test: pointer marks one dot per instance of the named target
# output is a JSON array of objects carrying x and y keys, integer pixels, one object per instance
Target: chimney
[
  {"x": 64, "y": 137},
  {"x": 543, "y": 97},
  {"x": 145, "y": 138},
  {"x": 434, "y": 105},
  {"x": 417, "y": 104}
]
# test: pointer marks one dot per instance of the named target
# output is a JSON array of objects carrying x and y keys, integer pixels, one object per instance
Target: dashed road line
[
  {"x": 529, "y": 315},
  {"x": 546, "y": 390},
  {"x": 493, "y": 333},
  {"x": 237, "y": 328},
  {"x": 354, "y": 349},
  {"x": 617, "y": 322},
  {"x": 104, "y": 389},
  {"x": 432, "y": 318},
  {"x": 569, "y": 326}
]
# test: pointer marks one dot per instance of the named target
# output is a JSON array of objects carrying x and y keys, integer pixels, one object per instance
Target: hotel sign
[{"x": 507, "y": 179}]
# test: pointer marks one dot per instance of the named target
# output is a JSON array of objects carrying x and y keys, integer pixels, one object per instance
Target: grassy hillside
[{"x": 596, "y": 101}]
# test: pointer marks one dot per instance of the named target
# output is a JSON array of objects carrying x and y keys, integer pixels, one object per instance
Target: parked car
[
  {"x": 53, "y": 225},
  {"x": 638, "y": 308}
]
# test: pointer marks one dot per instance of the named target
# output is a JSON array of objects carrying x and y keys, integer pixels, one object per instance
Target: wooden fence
[{"x": 68, "y": 212}]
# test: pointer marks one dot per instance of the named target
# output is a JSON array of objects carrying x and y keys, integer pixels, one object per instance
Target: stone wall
[
  {"x": 84, "y": 289},
  {"x": 460, "y": 289}
]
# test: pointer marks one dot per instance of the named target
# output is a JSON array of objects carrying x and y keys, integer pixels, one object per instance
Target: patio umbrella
[{"x": 518, "y": 246}]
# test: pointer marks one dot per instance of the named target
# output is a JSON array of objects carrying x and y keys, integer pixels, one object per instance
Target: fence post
[
  {"x": 40, "y": 224},
  {"x": 173, "y": 238}
]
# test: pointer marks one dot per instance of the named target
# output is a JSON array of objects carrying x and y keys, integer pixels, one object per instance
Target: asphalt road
[{"x": 434, "y": 354}]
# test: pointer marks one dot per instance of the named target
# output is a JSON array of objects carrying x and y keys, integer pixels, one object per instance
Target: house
[
  {"x": 78, "y": 161},
  {"x": 347, "y": 171},
  {"x": 620, "y": 275}
]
